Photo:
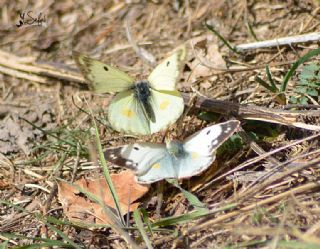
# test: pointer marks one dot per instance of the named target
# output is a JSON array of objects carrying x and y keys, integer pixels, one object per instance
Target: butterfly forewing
[
  {"x": 103, "y": 78},
  {"x": 206, "y": 141},
  {"x": 200, "y": 148},
  {"x": 165, "y": 75},
  {"x": 139, "y": 156}
]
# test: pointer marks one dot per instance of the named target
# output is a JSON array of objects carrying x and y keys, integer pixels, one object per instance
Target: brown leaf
[
  {"x": 79, "y": 208},
  {"x": 3, "y": 184},
  {"x": 208, "y": 58}
]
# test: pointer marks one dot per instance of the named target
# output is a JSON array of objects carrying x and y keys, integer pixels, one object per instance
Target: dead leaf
[
  {"x": 79, "y": 208},
  {"x": 3, "y": 184},
  {"x": 207, "y": 59}
]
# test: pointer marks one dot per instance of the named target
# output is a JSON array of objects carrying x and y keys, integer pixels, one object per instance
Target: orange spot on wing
[
  {"x": 156, "y": 166},
  {"x": 164, "y": 104},
  {"x": 127, "y": 113},
  {"x": 194, "y": 155}
]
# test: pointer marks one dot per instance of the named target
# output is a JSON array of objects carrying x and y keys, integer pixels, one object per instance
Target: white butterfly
[
  {"x": 153, "y": 162},
  {"x": 139, "y": 107}
]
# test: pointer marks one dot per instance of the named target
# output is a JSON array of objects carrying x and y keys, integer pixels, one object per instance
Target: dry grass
[{"x": 267, "y": 200}]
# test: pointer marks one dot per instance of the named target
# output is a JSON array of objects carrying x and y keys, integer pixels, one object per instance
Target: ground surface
[{"x": 45, "y": 133}]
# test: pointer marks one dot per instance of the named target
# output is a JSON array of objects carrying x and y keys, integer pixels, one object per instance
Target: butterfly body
[
  {"x": 139, "y": 107},
  {"x": 176, "y": 149},
  {"x": 142, "y": 93},
  {"x": 153, "y": 162}
]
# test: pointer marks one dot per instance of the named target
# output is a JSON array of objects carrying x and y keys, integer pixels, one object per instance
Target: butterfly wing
[
  {"x": 103, "y": 78},
  {"x": 126, "y": 115},
  {"x": 200, "y": 147},
  {"x": 165, "y": 75},
  {"x": 149, "y": 161},
  {"x": 160, "y": 169},
  {"x": 167, "y": 106},
  {"x": 207, "y": 140}
]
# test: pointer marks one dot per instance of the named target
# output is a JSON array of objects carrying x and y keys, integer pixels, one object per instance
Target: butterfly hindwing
[
  {"x": 193, "y": 164},
  {"x": 168, "y": 107},
  {"x": 102, "y": 77},
  {"x": 126, "y": 115},
  {"x": 165, "y": 75},
  {"x": 159, "y": 170}
]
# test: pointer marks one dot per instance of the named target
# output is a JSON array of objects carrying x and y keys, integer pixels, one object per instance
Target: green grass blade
[
  {"x": 139, "y": 223},
  {"x": 173, "y": 220},
  {"x": 146, "y": 220},
  {"x": 4, "y": 245},
  {"x": 49, "y": 133},
  {"x": 264, "y": 84},
  {"x": 247, "y": 244},
  {"x": 273, "y": 86},
  {"x": 251, "y": 31},
  {"x": 179, "y": 219},
  {"x": 62, "y": 235},
  {"x": 298, "y": 245},
  {"x": 193, "y": 200},
  {"x": 303, "y": 59},
  {"x": 221, "y": 38},
  {"x": 107, "y": 174},
  {"x": 44, "y": 244}
]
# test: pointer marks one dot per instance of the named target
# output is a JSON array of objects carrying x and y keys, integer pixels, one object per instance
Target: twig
[
  {"x": 280, "y": 41},
  {"x": 11, "y": 65},
  {"x": 278, "y": 116}
]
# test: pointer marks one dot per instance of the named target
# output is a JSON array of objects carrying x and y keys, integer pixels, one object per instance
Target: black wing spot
[
  {"x": 208, "y": 132},
  {"x": 168, "y": 63},
  {"x": 136, "y": 148},
  {"x": 106, "y": 68}
]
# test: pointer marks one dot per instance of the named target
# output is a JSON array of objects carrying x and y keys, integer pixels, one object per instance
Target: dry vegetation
[{"x": 263, "y": 194}]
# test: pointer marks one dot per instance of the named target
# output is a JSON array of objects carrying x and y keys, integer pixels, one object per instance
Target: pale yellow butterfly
[{"x": 139, "y": 107}]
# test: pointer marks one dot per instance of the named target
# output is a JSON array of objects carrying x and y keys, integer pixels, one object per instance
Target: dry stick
[
  {"x": 10, "y": 64},
  {"x": 280, "y": 41},
  {"x": 21, "y": 75},
  {"x": 289, "y": 118}
]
